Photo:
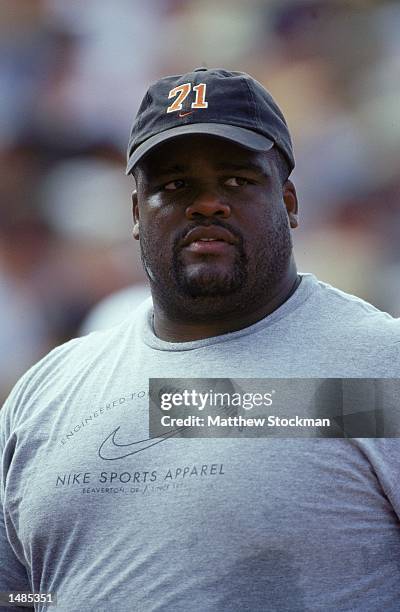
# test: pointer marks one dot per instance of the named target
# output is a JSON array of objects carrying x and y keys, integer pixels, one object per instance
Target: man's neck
[{"x": 172, "y": 330}]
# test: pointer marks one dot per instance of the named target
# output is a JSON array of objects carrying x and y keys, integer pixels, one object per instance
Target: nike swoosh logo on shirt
[
  {"x": 185, "y": 114},
  {"x": 110, "y": 450}
]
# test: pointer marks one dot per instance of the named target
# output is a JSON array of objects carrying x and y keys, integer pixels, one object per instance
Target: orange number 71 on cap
[{"x": 182, "y": 92}]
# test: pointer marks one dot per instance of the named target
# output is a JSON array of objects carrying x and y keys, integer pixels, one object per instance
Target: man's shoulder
[
  {"x": 78, "y": 352},
  {"x": 67, "y": 367},
  {"x": 345, "y": 297},
  {"x": 348, "y": 310},
  {"x": 352, "y": 324}
]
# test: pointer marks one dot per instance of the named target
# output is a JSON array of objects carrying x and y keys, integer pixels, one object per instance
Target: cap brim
[{"x": 246, "y": 138}]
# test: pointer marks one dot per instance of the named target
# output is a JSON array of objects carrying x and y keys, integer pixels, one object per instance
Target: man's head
[{"x": 214, "y": 206}]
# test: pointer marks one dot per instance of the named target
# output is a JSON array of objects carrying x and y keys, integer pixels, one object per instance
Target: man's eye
[
  {"x": 173, "y": 185},
  {"x": 236, "y": 181}
]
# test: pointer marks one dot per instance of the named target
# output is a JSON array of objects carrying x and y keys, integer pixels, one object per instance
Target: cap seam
[{"x": 254, "y": 104}]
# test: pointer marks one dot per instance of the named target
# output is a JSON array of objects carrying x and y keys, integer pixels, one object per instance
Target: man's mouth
[
  {"x": 210, "y": 240},
  {"x": 208, "y": 246}
]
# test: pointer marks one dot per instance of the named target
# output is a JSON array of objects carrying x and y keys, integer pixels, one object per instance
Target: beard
[
  {"x": 206, "y": 280},
  {"x": 205, "y": 291}
]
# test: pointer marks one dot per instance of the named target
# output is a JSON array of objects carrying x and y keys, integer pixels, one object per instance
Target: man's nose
[{"x": 208, "y": 203}]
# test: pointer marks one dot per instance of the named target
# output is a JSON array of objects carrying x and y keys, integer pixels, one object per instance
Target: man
[{"x": 106, "y": 517}]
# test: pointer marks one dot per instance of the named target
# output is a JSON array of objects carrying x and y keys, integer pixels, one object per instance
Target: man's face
[{"x": 213, "y": 226}]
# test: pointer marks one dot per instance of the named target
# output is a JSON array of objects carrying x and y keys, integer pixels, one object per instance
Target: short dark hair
[{"x": 282, "y": 165}]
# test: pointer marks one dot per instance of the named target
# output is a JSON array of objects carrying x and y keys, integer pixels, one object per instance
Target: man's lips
[
  {"x": 210, "y": 239},
  {"x": 214, "y": 247}
]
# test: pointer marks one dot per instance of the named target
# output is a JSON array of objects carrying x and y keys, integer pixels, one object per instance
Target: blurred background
[{"x": 72, "y": 75}]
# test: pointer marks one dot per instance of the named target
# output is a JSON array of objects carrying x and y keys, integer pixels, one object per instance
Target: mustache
[{"x": 215, "y": 223}]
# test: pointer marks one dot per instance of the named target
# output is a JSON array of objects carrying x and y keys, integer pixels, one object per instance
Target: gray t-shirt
[{"x": 200, "y": 524}]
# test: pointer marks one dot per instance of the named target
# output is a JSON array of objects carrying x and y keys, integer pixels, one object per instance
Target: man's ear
[
  {"x": 291, "y": 203},
  {"x": 135, "y": 212}
]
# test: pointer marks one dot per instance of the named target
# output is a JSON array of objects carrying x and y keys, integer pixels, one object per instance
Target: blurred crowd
[{"x": 72, "y": 75}]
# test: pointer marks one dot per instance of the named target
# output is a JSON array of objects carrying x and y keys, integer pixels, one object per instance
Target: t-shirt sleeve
[
  {"x": 384, "y": 457},
  {"x": 13, "y": 574}
]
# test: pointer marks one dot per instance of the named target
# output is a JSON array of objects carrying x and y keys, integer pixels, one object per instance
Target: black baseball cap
[{"x": 229, "y": 105}]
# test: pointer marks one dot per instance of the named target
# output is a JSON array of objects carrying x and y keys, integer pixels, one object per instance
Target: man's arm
[{"x": 13, "y": 575}]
